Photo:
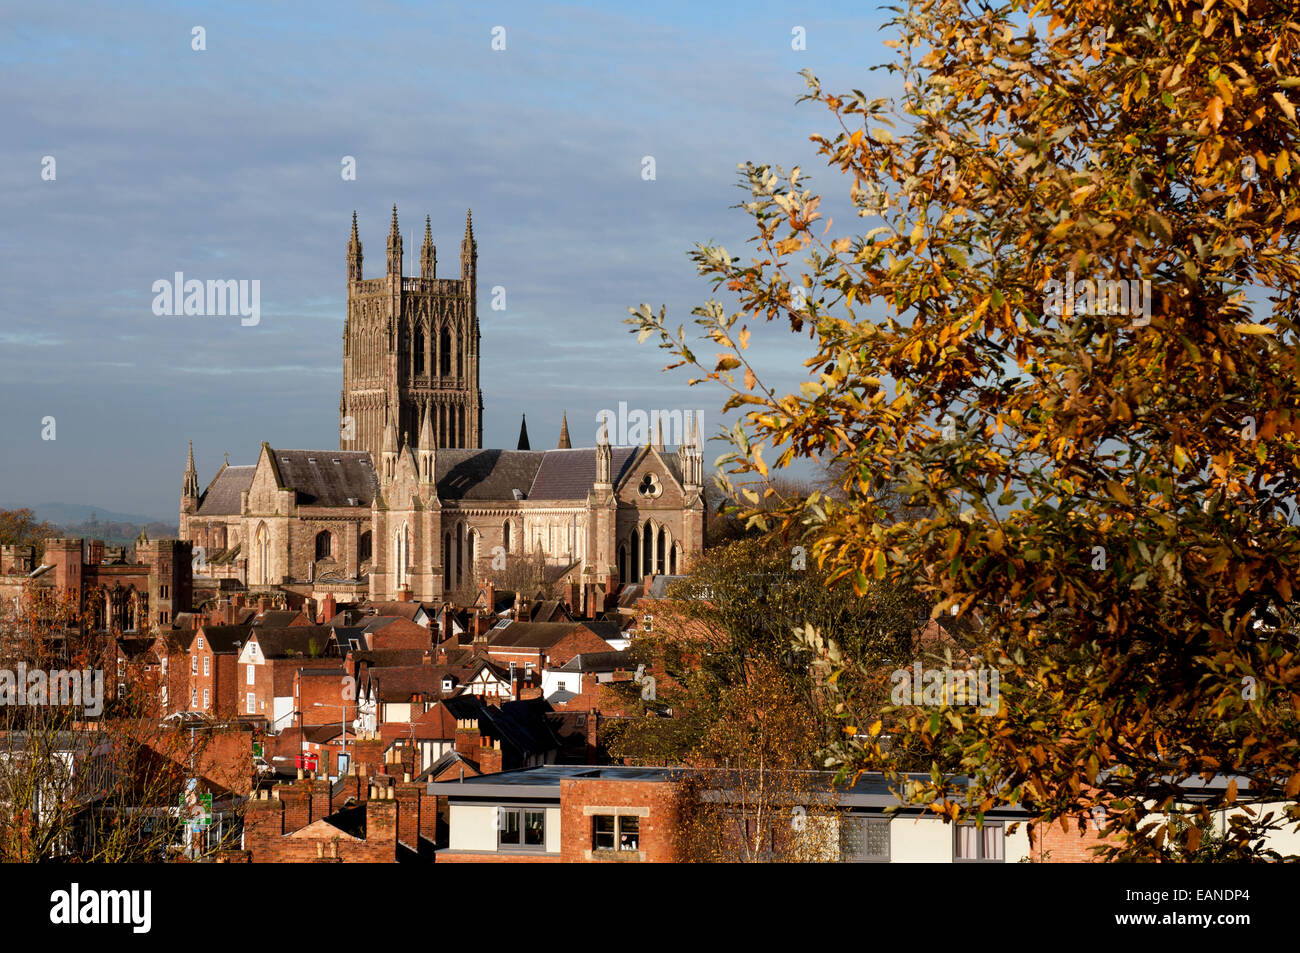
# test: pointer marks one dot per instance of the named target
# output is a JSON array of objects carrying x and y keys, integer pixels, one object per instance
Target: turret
[
  {"x": 427, "y": 453},
  {"x": 189, "y": 493},
  {"x": 604, "y": 457},
  {"x": 190, "y": 489},
  {"x": 354, "y": 252},
  {"x": 690, "y": 456},
  {"x": 394, "y": 248},
  {"x": 468, "y": 251},
  {"x": 388, "y": 455},
  {"x": 428, "y": 253}
]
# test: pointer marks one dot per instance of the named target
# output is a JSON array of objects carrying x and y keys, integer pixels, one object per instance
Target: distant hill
[
  {"x": 70, "y": 514},
  {"x": 90, "y": 522}
]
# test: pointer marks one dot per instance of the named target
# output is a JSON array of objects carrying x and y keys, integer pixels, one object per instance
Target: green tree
[{"x": 1108, "y": 475}]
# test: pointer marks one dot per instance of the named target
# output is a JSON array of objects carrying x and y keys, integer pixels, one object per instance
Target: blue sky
[{"x": 225, "y": 163}]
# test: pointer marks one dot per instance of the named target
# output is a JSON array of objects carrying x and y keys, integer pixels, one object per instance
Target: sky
[{"x": 226, "y": 163}]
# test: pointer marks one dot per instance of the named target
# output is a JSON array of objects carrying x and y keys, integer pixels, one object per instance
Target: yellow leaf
[
  {"x": 1252, "y": 329},
  {"x": 749, "y": 378},
  {"x": 1215, "y": 111},
  {"x": 1287, "y": 108}
]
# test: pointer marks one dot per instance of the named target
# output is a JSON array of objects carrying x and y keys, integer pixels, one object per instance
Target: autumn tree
[
  {"x": 22, "y": 528},
  {"x": 735, "y": 610},
  {"x": 87, "y": 772},
  {"x": 1067, "y": 328},
  {"x": 747, "y": 794}
]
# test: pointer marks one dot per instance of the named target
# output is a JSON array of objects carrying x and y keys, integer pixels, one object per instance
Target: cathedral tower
[{"x": 411, "y": 349}]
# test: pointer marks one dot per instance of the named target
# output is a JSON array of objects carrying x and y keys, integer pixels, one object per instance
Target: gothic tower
[{"x": 411, "y": 349}]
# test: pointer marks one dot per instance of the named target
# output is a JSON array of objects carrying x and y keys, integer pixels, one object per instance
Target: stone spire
[
  {"x": 429, "y": 253},
  {"x": 659, "y": 433},
  {"x": 564, "y": 433},
  {"x": 523, "y": 434},
  {"x": 354, "y": 252},
  {"x": 191, "y": 487},
  {"x": 468, "y": 250},
  {"x": 394, "y": 247}
]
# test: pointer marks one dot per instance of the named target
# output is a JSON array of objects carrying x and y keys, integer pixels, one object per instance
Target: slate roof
[
  {"x": 569, "y": 474},
  {"x": 486, "y": 474},
  {"x": 531, "y": 635},
  {"x": 399, "y": 684},
  {"x": 327, "y": 477},
  {"x": 659, "y": 586},
  {"x": 521, "y": 726},
  {"x": 598, "y": 662},
  {"x": 221, "y": 498},
  {"x": 538, "y": 474},
  {"x": 405, "y": 610},
  {"x": 222, "y": 638},
  {"x": 286, "y": 641},
  {"x": 277, "y": 618}
]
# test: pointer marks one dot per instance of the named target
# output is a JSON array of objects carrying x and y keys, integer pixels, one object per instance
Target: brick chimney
[
  {"x": 467, "y": 737},
  {"x": 368, "y": 754},
  {"x": 522, "y": 613},
  {"x": 404, "y": 594},
  {"x": 488, "y": 756},
  {"x": 489, "y": 596},
  {"x": 328, "y": 608}
]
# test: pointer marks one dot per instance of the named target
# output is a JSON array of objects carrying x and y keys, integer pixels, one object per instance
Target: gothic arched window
[
  {"x": 262, "y": 557},
  {"x": 419, "y": 351},
  {"x": 363, "y": 547},
  {"x": 647, "y": 549},
  {"x": 323, "y": 545},
  {"x": 444, "y": 349}
]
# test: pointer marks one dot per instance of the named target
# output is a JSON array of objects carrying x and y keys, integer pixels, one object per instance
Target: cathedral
[{"x": 410, "y": 506}]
